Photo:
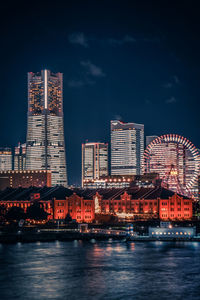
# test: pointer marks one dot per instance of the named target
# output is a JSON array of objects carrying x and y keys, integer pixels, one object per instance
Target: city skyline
[
  {"x": 114, "y": 66},
  {"x": 100, "y": 150},
  {"x": 42, "y": 97}
]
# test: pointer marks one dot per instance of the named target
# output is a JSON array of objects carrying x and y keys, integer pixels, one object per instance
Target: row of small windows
[
  {"x": 178, "y": 203},
  {"x": 178, "y": 215},
  {"x": 171, "y": 233}
]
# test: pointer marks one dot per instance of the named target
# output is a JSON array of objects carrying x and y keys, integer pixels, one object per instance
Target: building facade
[
  {"x": 127, "y": 148},
  {"x": 25, "y": 179},
  {"x": 20, "y": 157},
  {"x": 132, "y": 203},
  {"x": 5, "y": 159},
  {"x": 118, "y": 181},
  {"x": 94, "y": 161},
  {"x": 45, "y": 144}
]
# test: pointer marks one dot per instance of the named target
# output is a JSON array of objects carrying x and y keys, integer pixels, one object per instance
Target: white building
[
  {"x": 5, "y": 159},
  {"x": 94, "y": 161},
  {"x": 127, "y": 148}
]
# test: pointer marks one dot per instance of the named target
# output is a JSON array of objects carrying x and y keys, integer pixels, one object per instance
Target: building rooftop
[{"x": 60, "y": 192}]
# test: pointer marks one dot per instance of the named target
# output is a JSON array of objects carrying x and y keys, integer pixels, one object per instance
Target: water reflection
[
  {"x": 130, "y": 246},
  {"x": 100, "y": 270}
]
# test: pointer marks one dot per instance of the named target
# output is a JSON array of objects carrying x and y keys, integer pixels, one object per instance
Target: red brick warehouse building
[{"x": 131, "y": 203}]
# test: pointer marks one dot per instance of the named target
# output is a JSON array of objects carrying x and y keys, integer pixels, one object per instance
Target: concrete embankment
[
  {"x": 71, "y": 235},
  {"x": 47, "y": 236},
  {"x": 151, "y": 239}
]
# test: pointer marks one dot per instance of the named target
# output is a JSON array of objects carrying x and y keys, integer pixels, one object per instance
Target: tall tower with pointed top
[{"x": 45, "y": 144}]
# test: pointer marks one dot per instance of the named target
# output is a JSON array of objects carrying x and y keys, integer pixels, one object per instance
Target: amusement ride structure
[{"x": 176, "y": 160}]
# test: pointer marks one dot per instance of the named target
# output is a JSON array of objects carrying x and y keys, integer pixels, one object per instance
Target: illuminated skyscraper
[
  {"x": 5, "y": 159},
  {"x": 45, "y": 145},
  {"x": 94, "y": 161},
  {"x": 127, "y": 148},
  {"x": 20, "y": 157}
]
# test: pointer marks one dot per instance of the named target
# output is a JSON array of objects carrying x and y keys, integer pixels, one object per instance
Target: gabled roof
[
  {"x": 60, "y": 192},
  {"x": 46, "y": 193}
]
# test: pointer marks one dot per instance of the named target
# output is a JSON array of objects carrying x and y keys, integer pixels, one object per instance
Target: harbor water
[{"x": 100, "y": 270}]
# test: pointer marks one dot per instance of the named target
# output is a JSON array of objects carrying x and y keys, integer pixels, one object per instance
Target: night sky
[{"x": 138, "y": 61}]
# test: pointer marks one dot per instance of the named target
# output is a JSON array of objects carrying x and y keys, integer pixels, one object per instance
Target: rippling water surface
[{"x": 100, "y": 270}]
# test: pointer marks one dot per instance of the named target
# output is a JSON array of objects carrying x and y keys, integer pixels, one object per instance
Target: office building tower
[
  {"x": 5, "y": 159},
  {"x": 20, "y": 157},
  {"x": 45, "y": 145},
  {"x": 150, "y": 138},
  {"x": 127, "y": 148},
  {"x": 94, "y": 161}
]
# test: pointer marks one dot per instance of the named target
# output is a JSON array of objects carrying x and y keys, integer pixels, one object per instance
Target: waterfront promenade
[{"x": 52, "y": 235}]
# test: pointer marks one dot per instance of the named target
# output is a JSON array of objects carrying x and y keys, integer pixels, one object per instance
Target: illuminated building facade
[
  {"x": 20, "y": 157},
  {"x": 94, "y": 161},
  {"x": 127, "y": 148},
  {"x": 45, "y": 145},
  {"x": 177, "y": 162},
  {"x": 5, "y": 159},
  {"x": 118, "y": 181},
  {"x": 132, "y": 203},
  {"x": 25, "y": 179}
]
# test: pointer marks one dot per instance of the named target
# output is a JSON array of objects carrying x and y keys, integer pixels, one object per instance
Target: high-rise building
[
  {"x": 5, "y": 159},
  {"x": 150, "y": 138},
  {"x": 20, "y": 157},
  {"x": 127, "y": 148},
  {"x": 94, "y": 161},
  {"x": 45, "y": 145}
]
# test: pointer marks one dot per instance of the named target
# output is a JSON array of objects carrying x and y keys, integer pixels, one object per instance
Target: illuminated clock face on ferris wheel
[{"x": 176, "y": 160}]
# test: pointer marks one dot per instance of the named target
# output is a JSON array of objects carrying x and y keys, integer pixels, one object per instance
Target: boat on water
[{"x": 165, "y": 232}]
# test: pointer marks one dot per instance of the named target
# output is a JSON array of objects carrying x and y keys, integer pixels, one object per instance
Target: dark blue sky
[{"x": 134, "y": 60}]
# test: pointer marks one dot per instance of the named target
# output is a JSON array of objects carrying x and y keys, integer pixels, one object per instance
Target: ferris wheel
[{"x": 176, "y": 160}]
